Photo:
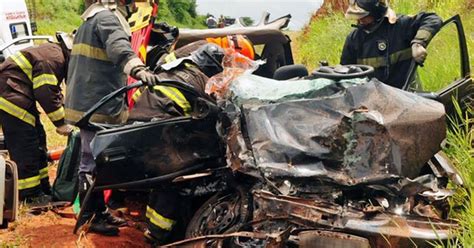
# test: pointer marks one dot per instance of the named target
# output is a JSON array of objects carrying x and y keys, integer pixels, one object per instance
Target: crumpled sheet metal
[
  {"x": 350, "y": 134},
  {"x": 313, "y": 214}
]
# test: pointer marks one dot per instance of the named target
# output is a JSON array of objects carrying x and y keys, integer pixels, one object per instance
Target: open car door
[{"x": 447, "y": 69}]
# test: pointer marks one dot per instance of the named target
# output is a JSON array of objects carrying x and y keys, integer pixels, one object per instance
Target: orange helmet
[{"x": 240, "y": 43}]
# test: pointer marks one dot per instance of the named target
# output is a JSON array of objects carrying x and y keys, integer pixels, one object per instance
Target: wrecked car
[
  {"x": 347, "y": 162},
  {"x": 292, "y": 163},
  {"x": 326, "y": 162}
]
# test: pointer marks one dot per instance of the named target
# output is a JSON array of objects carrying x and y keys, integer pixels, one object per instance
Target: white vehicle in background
[{"x": 16, "y": 28}]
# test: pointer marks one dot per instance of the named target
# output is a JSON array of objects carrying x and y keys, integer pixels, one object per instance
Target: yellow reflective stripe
[
  {"x": 170, "y": 57},
  {"x": 16, "y": 111},
  {"x": 23, "y": 63},
  {"x": 142, "y": 52},
  {"x": 28, "y": 183},
  {"x": 374, "y": 62},
  {"x": 177, "y": 97},
  {"x": 396, "y": 57},
  {"x": 136, "y": 95},
  {"x": 400, "y": 56},
  {"x": 57, "y": 115},
  {"x": 44, "y": 79},
  {"x": 89, "y": 51},
  {"x": 189, "y": 65},
  {"x": 159, "y": 220},
  {"x": 43, "y": 173},
  {"x": 424, "y": 35}
]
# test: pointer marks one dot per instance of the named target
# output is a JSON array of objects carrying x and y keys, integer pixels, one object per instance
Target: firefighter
[
  {"x": 101, "y": 58},
  {"x": 193, "y": 64},
  {"x": 386, "y": 41},
  {"x": 33, "y": 75}
]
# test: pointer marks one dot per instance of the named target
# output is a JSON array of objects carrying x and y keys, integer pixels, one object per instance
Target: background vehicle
[{"x": 14, "y": 23}]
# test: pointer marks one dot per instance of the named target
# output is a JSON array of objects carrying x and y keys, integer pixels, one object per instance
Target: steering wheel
[{"x": 340, "y": 72}]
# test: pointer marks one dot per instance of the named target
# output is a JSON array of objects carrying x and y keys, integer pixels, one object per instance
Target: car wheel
[{"x": 224, "y": 212}]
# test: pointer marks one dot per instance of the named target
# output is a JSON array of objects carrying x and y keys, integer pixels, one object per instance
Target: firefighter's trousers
[
  {"x": 162, "y": 212},
  {"x": 26, "y": 145}
]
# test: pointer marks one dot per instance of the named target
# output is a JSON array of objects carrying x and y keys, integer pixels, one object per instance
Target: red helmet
[{"x": 240, "y": 43}]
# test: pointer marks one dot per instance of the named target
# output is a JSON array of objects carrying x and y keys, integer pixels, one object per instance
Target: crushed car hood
[{"x": 349, "y": 132}]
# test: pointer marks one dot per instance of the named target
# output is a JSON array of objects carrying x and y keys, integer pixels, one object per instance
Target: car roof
[{"x": 262, "y": 33}]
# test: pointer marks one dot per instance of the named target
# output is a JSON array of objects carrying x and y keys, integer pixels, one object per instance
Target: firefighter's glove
[
  {"x": 145, "y": 75},
  {"x": 418, "y": 52},
  {"x": 65, "y": 129}
]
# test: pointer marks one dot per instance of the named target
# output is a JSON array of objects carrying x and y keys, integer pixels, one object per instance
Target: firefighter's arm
[
  {"x": 116, "y": 41},
  {"x": 119, "y": 50},
  {"x": 47, "y": 92},
  {"x": 423, "y": 27}
]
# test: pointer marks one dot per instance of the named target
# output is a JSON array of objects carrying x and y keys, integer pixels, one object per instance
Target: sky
[{"x": 300, "y": 10}]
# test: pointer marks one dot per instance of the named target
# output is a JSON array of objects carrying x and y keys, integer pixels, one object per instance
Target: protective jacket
[
  {"x": 388, "y": 48},
  {"x": 30, "y": 75},
  {"x": 100, "y": 51},
  {"x": 166, "y": 102}
]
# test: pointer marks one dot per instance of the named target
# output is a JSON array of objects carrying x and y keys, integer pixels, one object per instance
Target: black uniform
[{"x": 388, "y": 48}]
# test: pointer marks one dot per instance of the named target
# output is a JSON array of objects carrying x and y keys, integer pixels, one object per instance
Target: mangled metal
[
  {"x": 354, "y": 157},
  {"x": 347, "y": 133},
  {"x": 349, "y": 156}
]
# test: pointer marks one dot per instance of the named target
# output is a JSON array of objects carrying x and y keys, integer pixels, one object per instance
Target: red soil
[{"x": 51, "y": 230}]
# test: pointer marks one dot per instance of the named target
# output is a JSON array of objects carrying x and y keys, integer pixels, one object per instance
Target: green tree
[{"x": 247, "y": 21}]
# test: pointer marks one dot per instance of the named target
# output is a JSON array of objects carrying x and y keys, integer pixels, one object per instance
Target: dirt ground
[{"x": 51, "y": 230}]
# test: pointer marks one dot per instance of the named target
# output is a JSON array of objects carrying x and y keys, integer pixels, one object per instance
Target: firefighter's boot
[{"x": 93, "y": 218}]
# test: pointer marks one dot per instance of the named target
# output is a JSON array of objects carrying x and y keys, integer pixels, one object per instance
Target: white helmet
[{"x": 65, "y": 39}]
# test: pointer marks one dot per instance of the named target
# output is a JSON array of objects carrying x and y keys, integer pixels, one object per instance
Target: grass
[
  {"x": 58, "y": 15},
  {"x": 324, "y": 38},
  {"x": 64, "y": 15}
]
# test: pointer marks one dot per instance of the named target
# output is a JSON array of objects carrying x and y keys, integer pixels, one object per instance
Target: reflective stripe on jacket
[
  {"x": 388, "y": 48},
  {"x": 30, "y": 75},
  {"x": 172, "y": 93},
  {"x": 100, "y": 50},
  {"x": 166, "y": 102}
]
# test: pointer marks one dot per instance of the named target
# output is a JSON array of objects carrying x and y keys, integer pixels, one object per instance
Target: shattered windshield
[{"x": 251, "y": 87}]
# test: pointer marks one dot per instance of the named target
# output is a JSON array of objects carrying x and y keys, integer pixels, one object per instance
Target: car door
[{"x": 447, "y": 68}]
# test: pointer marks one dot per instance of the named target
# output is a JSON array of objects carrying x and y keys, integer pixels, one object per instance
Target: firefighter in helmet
[
  {"x": 33, "y": 75},
  {"x": 101, "y": 58},
  {"x": 386, "y": 41}
]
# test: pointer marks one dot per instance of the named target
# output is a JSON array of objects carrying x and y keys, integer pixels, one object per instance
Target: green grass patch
[
  {"x": 58, "y": 15},
  {"x": 64, "y": 15}
]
